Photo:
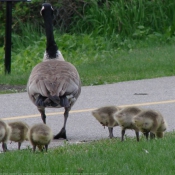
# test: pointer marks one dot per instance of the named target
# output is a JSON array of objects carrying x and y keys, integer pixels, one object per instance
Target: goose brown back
[{"x": 54, "y": 78}]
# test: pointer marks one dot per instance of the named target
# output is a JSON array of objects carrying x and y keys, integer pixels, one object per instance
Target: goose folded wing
[{"x": 54, "y": 78}]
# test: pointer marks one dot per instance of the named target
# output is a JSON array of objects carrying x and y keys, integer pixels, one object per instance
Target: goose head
[{"x": 46, "y": 9}]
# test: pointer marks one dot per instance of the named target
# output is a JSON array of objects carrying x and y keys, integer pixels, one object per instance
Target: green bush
[
  {"x": 127, "y": 18},
  {"x": 96, "y": 26}
]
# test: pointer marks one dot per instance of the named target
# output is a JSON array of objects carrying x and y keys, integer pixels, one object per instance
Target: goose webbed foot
[{"x": 61, "y": 134}]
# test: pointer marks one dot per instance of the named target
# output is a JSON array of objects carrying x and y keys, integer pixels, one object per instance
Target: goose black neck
[{"x": 51, "y": 47}]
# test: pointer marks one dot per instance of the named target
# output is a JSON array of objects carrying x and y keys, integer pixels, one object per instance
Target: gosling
[
  {"x": 5, "y": 132},
  {"x": 19, "y": 132},
  {"x": 105, "y": 116},
  {"x": 151, "y": 121},
  {"x": 124, "y": 119},
  {"x": 40, "y": 135}
]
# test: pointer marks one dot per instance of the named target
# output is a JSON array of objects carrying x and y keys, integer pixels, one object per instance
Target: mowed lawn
[
  {"x": 108, "y": 156},
  {"x": 102, "y": 67}
]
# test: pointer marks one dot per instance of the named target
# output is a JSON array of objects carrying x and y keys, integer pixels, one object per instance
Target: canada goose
[
  {"x": 40, "y": 135},
  {"x": 54, "y": 82},
  {"x": 150, "y": 121},
  {"x": 5, "y": 132},
  {"x": 19, "y": 132},
  {"x": 124, "y": 119},
  {"x": 105, "y": 116}
]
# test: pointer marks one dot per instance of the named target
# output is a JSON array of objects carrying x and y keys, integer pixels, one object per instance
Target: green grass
[
  {"x": 110, "y": 156},
  {"x": 98, "y": 60},
  {"x": 120, "y": 66}
]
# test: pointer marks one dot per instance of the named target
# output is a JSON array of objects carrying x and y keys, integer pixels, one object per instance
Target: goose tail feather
[{"x": 52, "y": 101}]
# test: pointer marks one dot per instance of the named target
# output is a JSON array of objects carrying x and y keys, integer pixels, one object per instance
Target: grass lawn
[
  {"x": 112, "y": 66},
  {"x": 108, "y": 156}
]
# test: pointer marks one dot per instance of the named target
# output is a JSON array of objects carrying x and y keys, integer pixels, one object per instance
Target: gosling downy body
[
  {"x": 5, "y": 132},
  {"x": 150, "y": 121},
  {"x": 19, "y": 132},
  {"x": 105, "y": 116},
  {"x": 40, "y": 135},
  {"x": 53, "y": 83},
  {"x": 124, "y": 119}
]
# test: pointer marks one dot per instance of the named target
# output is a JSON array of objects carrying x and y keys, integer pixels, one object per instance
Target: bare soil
[{"x": 12, "y": 88}]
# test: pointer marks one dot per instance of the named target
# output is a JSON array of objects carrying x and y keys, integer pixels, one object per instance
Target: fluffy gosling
[
  {"x": 124, "y": 119},
  {"x": 150, "y": 121},
  {"x": 105, "y": 116},
  {"x": 19, "y": 132},
  {"x": 5, "y": 132},
  {"x": 40, "y": 135}
]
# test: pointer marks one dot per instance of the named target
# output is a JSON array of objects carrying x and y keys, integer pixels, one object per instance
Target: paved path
[{"x": 158, "y": 94}]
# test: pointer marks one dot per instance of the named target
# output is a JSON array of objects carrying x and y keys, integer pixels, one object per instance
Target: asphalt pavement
[{"x": 157, "y": 94}]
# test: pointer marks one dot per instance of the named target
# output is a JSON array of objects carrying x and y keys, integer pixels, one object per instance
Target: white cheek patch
[{"x": 41, "y": 10}]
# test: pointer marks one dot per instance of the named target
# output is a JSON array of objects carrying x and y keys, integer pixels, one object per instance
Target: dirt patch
[{"x": 12, "y": 88}]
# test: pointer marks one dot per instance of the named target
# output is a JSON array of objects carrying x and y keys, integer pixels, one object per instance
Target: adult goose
[{"x": 53, "y": 83}]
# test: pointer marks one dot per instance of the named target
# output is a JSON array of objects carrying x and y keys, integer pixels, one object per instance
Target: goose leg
[
  {"x": 43, "y": 115},
  {"x": 46, "y": 147},
  {"x": 34, "y": 148},
  {"x": 152, "y": 135},
  {"x": 62, "y": 133},
  {"x": 110, "y": 132},
  {"x": 137, "y": 135},
  {"x": 123, "y": 133},
  {"x": 146, "y": 135},
  {"x": 4, "y": 147},
  {"x": 19, "y": 145}
]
